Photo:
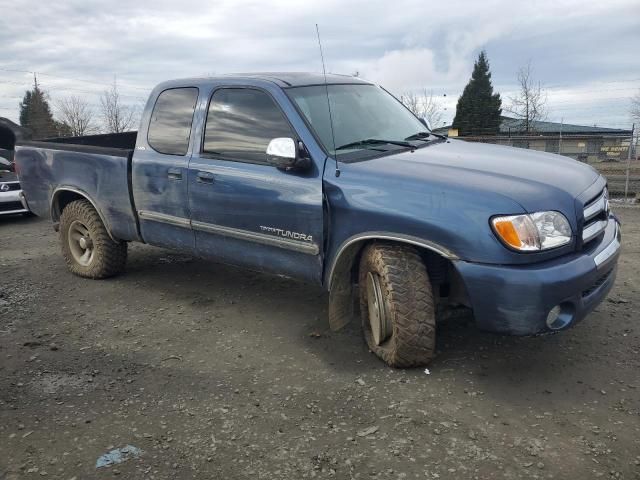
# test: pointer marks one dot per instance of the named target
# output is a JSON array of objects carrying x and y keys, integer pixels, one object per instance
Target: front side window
[
  {"x": 240, "y": 124},
  {"x": 170, "y": 125}
]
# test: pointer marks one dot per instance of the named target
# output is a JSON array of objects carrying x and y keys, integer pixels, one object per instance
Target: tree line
[
  {"x": 73, "y": 115},
  {"x": 478, "y": 111},
  {"x": 479, "y": 108}
]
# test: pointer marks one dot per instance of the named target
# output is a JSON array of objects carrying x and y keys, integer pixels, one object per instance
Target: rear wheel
[
  {"x": 396, "y": 305},
  {"x": 87, "y": 247}
]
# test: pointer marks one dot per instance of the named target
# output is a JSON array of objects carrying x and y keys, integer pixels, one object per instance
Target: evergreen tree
[
  {"x": 479, "y": 109},
  {"x": 35, "y": 113}
]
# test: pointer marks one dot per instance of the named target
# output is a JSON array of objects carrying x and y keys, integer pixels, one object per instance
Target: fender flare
[
  {"x": 338, "y": 279},
  {"x": 55, "y": 213}
]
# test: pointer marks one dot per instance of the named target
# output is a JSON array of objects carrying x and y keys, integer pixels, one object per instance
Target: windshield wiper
[
  {"x": 424, "y": 136},
  {"x": 375, "y": 141},
  {"x": 419, "y": 136}
]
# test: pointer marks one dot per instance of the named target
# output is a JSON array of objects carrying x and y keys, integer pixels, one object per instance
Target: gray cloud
[{"x": 577, "y": 48}]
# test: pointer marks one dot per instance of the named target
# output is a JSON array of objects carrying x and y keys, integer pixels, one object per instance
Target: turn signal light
[{"x": 532, "y": 232}]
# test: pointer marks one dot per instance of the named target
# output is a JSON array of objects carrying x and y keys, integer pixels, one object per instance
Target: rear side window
[
  {"x": 170, "y": 126},
  {"x": 240, "y": 124}
]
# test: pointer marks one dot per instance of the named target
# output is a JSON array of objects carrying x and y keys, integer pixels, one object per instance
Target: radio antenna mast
[{"x": 326, "y": 89}]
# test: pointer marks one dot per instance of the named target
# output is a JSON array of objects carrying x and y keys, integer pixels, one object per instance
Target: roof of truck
[{"x": 283, "y": 79}]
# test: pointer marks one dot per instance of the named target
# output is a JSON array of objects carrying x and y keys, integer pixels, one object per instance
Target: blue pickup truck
[{"x": 334, "y": 182}]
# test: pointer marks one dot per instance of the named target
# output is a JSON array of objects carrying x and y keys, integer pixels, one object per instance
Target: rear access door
[
  {"x": 244, "y": 211},
  {"x": 159, "y": 172}
]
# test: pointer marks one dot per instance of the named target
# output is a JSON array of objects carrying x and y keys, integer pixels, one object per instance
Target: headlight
[{"x": 533, "y": 232}]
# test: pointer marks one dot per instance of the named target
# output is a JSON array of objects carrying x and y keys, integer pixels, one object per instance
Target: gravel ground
[{"x": 213, "y": 372}]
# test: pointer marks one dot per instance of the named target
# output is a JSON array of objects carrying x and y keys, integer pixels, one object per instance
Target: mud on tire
[
  {"x": 408, "y": 299},
  {"x": 108, "y": 257}
]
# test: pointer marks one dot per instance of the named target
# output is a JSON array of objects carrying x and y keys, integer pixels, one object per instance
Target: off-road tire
[
  {"x": 406, "y": 290},
  {"x": 109, "y": 257}
]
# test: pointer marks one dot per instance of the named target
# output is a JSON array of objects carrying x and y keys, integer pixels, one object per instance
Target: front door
[
  {"x": 244, "y": 211},
  {"x": 159, "y": 173}
]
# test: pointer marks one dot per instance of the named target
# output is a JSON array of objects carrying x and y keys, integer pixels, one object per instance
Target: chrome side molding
[
  {"x": 164, "y": 218},
  {"x": 262, "y": 238},
  {"x": 247, "y": 235}
]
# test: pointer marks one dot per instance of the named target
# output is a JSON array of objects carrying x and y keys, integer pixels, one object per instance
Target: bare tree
[
  {"x": 76, "y": 115},
  {"x": 424, "y": 105},
  {"x": 529, "y": 104},
  {"x": 117, "y": 116},
  {"x": 635, "y": 107}
]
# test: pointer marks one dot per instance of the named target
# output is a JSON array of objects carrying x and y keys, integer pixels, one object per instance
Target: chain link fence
[{"x": 615, "y": 156}]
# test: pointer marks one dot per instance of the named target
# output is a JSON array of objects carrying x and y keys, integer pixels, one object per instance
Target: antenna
[{"x": 326, "y": 88}]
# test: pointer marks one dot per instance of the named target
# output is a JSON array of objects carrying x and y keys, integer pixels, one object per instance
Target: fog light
[
  {"x": 553, "y": 315},
  {"x": 560, "y": 316}
]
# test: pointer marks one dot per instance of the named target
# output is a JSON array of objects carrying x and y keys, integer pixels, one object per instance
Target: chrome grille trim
[
  {"x": 595, "y": 207},
  {"x": 593, "y": 230},
  {"x": 596, "y": 217}
]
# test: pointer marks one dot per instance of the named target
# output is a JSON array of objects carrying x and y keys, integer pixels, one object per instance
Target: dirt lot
[{"x": 214, "y": 372}]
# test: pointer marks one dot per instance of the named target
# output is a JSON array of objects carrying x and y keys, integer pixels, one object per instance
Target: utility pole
[
  {"x": 560, "y": 142},
  {"x": 626, "y": 182}
]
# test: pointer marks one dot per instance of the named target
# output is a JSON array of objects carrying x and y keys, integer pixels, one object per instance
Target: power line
[
  {"x": 88, "y": 92},
  {"x": 71, "y": 89},
  {"x": 597, "y": 81},
  {"x": 65, "y": 77}
]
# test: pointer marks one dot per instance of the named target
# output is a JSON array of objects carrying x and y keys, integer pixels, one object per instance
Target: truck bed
[
  {"x": 125, "y": 140},
  {"x": 92, "y": 167}
]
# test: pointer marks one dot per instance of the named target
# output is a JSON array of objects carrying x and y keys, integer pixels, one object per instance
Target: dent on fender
[{"x": 55, "y": 213}]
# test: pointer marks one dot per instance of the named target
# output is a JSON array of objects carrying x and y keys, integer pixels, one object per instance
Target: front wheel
[
  {"x": 396, "y": 304},
  {"x": 87, "y": 247}
]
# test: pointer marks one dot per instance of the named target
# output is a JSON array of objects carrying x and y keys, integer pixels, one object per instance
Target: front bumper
[
  {"x": 516, "y": 300},
  {"x": 13, "y": 202}
]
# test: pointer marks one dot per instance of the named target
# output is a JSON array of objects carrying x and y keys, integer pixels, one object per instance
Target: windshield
[
  {"x": 361, "y": 113},
  {"x": 5, "y": 165}
]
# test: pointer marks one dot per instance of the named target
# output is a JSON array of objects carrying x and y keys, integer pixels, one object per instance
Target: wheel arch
[
  {"x": 64, "y": 195},
  {"x": 339, "y": 277}
]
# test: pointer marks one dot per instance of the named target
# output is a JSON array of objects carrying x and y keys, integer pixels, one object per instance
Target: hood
[
  {"x": 535, "y": 180},
  {"x": 6, "y": 176}
]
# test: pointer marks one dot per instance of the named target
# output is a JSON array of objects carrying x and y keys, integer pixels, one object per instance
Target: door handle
[
  {"x": 205, "y": 177},
  {"x": 174, "y": 174}
]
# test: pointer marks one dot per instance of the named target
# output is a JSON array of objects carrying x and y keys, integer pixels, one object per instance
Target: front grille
[
  {"x": 9, "y": 206},
  {"x": 12, "y": 186},
  {"x": 596, "y": 216},
  {"x": 596, "y": 285}
]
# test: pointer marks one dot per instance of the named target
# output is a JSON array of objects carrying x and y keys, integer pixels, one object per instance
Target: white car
[{"x": 12, "y": 200}]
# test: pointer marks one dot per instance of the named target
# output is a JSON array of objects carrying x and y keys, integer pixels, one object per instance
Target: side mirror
[
  {"x": 426, "y": 123},
  {"x": 283, "y": 153}
]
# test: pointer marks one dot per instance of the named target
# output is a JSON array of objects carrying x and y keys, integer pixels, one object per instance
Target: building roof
[{"x": 514, "y": 126}]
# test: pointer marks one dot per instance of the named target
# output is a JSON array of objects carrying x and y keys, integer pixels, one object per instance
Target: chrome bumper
[
  {"x": 13, "y": 196},
  {"x": 610, "y": 250}
]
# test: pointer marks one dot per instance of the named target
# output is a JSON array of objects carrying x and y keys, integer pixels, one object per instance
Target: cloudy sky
[{"x": 585, "y": 52}]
